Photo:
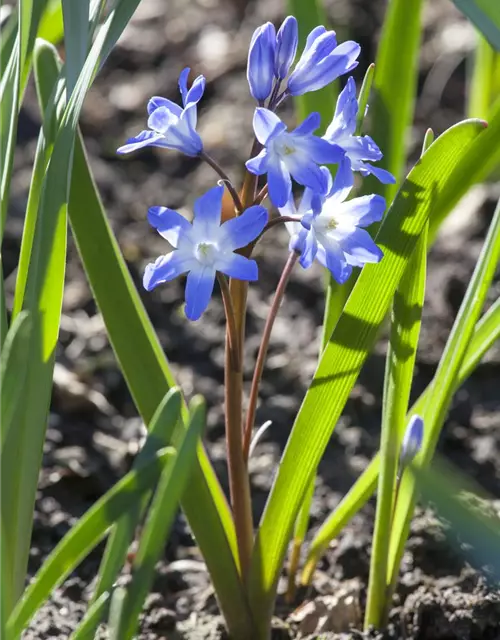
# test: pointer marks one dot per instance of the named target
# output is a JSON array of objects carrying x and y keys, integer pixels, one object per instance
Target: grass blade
[
  {"x": 95, "y": 612},
  {"x": 485, "y": 14},
  {"x": 441, "y": 392},
  {"x": 160, "y": 434},
  {"x": 481, "y": 87},
  {"x": 84, "y": 536},
  {"x": 159, "y": 521},
  {"x": 76, "y": 39},
  {"x": 345, "y": 354}
]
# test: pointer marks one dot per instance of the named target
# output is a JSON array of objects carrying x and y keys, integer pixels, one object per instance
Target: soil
[{"x": 94, "y": 431}]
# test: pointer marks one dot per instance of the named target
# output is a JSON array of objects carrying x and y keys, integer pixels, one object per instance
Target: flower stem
[
  {"x": 225, "y": 178},
  {"x": 239, "y": 484},
  {"x": 232, "y": 332},
  {"x": 261, "y": 357}
]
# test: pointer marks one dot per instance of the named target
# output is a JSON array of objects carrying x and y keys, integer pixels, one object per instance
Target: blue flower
[
  {"x": 322, "y": 61},
  {"x": 333, "y": 235},
  {"x": 204, "y": 247},
  {"x": 357, "y": 149},
  {"x": 260, "y": 68},
  {"x": 412, "y": 440},
  {"x": 287, "y": 41},
  {"x": 171, "y": 126},
  {"x": 297, "y": 154}
]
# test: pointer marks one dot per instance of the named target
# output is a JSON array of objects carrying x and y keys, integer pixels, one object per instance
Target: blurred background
[{"x": 94, "y": 431}]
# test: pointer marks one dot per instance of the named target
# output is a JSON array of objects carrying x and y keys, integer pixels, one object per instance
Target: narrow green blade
[
  {"x": 84, "y": 536},
  {"x": 95, "y": 612},
  {"x": 159, "y": 520},
  {"x": 76, "y": 39},
  {"x": 345, "y": 354}
]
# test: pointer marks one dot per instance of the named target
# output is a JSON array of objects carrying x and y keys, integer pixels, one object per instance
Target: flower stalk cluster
[{"x": 325, "y": 226}]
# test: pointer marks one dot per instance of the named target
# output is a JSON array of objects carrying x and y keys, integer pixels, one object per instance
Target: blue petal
[
  {"x": 236, "y": 266},
  {"x": 266, "y": 125},
  {"x": 279, "y": 182},
  {"x": 143, "y": 139},
  {"x": 287, "y": 40},
  {"x": 344, "y": 179},
  {"x": 332, "y": 257},
  {"x": 346, "y": 111},
  {"x": 307, "y": 173},
  {"x": 384, "y": 176},
  {"x": 161, "y": 119},
  {"x": 240, "y": 231},
  {"x": 196, "y": 92},
  {"x": 183, "y": 84},
  {"x": 156, "y": 102},
  {"x": 361, "y": 148},
  {"x": 169, "y": 224},
  {"x": 310, "y": 124},
  {"x": 309, "y": 250},
  {"x": 190, "y": 116},
  {"x": 319, "y": 150},
  {"x": 362, "y": 211},
  {"x": 260, "y": 68},
  {"x": 258, "y": 164},
  {"x": 312, "y": 37},
  {"x": 199, "y": 287},
  {"x": 207, "y": 213},
  {"x": 166, "y": 268},
  {"x": 321, "y": 72},
  {"x": 359, "y": 244}
]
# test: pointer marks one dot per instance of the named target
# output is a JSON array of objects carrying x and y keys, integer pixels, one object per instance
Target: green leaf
[
  {"x": 441, "y": 392},
  {"x": 84, "y": 536},
  {"x": 485, "y": 14},
  {"x": 486, "y": 333},
  {"x": 14, "y": 363},
  {"x": 160, "y": 517},
  {"x": 95, "y": 612},
  {"x": 345, "y": 354},
  {"x": 401, "y": 352},
  {"x": 394, "y": 89},
  {"x": 76, "y": 37},
  {"x": 309, "y": 15},
  {"x": 43, "y": 297},
  {"x": 481, "y": 89},
  {"x": 51, "y": 26},
  {"x": 160, "y": 435}
]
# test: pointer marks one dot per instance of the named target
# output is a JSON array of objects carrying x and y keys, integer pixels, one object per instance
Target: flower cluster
[{"x": 325, "y": 226}]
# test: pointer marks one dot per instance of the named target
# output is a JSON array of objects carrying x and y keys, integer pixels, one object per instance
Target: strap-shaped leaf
[
  {"x": 487, "y": 332},
  {"x": 485, "y": 14},
  {"x": 345, "y": 354},
  {"x": 84, "y": 536}
]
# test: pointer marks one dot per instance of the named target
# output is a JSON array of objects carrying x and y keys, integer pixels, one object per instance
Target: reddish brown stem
[{"x": 264, "y": 345}]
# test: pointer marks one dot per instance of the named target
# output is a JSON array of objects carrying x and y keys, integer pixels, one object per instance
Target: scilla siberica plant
[
  {"x": 327, "y": 223},
  {"x": 325, "y": 226}
]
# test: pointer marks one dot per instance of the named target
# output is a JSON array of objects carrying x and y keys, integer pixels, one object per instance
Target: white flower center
[
  {"x": 325, "y": 224},
  {"x": 284, "y": 146},
  {"x": 205, "y": 253}
]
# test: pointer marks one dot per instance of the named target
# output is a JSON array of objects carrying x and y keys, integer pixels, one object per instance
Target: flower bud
[
  {"x": 286, "y": 47},
  {"x": 260, "y": 69},
  {"x": 412, "y": 441}
]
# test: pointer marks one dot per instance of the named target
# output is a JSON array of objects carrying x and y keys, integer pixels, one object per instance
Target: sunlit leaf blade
[
  {"x": 84, "y": 536},
  {"x": 487, "y": 332},
  {"x": 401, "y": 353},
  {"x": 481, "y": 88},
  {"x": 485, "y": 14},
  {"x": 160, "y": 433},
  {"x": 14, "y": 363},
  {"x": 345, "y": 354},
  {"x": 159, "y": 520},
  {"x": 95, "y": 612},
  {"x": 445, "y": 380},
  {"x": 394, "y": 87},
  {"x": 51, "y": 26},
  {"x": 309, "y": 15},
  {"x": 469, "y": 524}
]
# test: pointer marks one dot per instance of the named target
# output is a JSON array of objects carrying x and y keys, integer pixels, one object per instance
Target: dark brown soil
[{"x": 94, "y": 430}]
